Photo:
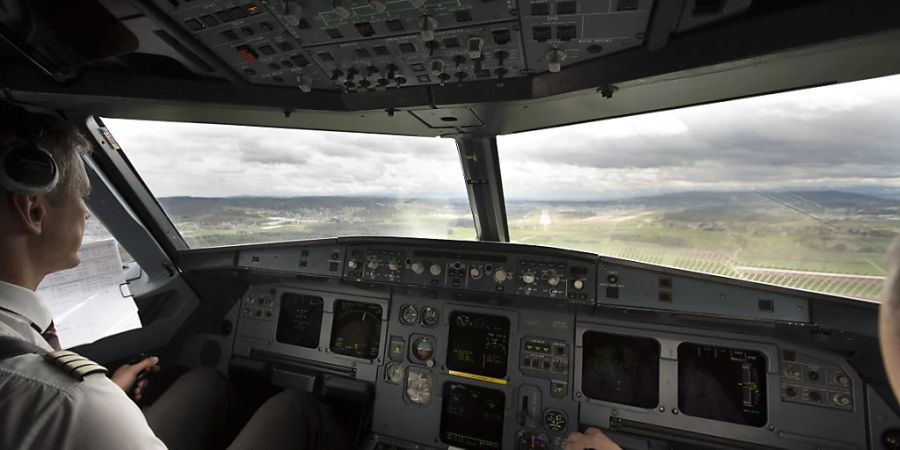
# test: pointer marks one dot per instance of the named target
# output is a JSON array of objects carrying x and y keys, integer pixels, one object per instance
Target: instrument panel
[{"x": 471, "y": 366}]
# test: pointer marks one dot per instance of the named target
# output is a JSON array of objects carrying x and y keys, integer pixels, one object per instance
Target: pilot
[
  {"x": 52, "y": 399},
  {"x": 889, "y": 320}
]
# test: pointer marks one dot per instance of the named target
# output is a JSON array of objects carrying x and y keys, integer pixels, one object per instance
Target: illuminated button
[{"x": 435, "y": 270}]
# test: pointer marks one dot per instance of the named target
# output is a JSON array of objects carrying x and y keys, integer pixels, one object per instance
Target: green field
[{"x": 830, "y": 242}]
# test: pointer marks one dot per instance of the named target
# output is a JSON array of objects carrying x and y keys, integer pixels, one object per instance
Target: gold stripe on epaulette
[
  {"x": 74, "y": 364},
  {"x": 89, "y": 369}
]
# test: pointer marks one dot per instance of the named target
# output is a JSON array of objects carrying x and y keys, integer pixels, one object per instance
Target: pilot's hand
[
  {"x": 591, "y": 439},
  {"x": 129, "y": 374}
]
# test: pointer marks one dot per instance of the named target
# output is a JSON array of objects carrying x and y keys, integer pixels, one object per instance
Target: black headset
[{"x": 26, "y": 168}]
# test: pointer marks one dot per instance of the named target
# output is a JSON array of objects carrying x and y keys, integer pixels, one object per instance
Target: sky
[{"x": 845, "y": 136}]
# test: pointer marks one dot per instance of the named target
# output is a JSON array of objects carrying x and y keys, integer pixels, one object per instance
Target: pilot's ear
[{"x": 31, "y": 210}]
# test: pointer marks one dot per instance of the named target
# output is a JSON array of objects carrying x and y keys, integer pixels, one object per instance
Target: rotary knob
[
  {"x": 393, "y": 265},
  {"x": 435, "y": 270},
  {"x": 417, "y": 268},
  {"x": 475, "y": 273},
  {"x": 373, "y": 264},
  {"x": 500, "y": 275},
  {"x": 578, "y": 285},
  {"x": 842, "y": 399},
  {"x": 528, "y": 277},
  {"x": 553, "y": 279},
  {"x": 353, "y": 264}
]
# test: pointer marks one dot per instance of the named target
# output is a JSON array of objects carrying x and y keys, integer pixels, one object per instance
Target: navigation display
[
  {"x": 478, "y": 344},
  {"x": 722, "y": 384},
  {"x": 472, "y": 417},
  {"x": 621, "y": 369},
  {"x": 356, "y": 330},
  {"x": 300, "y": 320}
]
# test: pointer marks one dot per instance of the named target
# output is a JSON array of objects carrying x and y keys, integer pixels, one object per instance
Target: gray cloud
[{"x": 836, "y": 136}]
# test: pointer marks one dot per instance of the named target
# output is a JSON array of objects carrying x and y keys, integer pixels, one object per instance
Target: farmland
[{"x": 825, "y": 241}]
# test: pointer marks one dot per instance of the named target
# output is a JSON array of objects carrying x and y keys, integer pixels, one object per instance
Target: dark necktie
[{"x": 51, "y": 337}]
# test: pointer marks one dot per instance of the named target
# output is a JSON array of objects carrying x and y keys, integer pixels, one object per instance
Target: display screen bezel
[
  {"x": 281, "y": 326},
  {"x": 457, "y": 334},
  {"x": 653, "y": 352},
  {"x": 450, "y": 425},
  {"x": 753, "y": 420},
  {"x": 369, "y": 356}
]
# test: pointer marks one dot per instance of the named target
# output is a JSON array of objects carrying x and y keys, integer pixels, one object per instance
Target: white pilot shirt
[{"x": 43, "y": 407}]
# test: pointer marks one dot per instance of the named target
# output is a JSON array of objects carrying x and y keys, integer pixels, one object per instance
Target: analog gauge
[
  {"x": 555, "y": 420},
  {"x": 423, "y": 349},
  {"x": 430, "y": 316},
  {"x": 532, "y": 441},
  {"x": 409, "y": 315},
  {"x": 393, "y": 373},
  {"x": 418, "y": 386}
]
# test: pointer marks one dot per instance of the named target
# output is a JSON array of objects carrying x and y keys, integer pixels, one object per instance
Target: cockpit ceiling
[{"x": 494, "y": 66}]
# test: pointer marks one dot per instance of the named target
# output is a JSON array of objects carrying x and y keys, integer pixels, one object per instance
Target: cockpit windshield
[
  {"x": 798, "y": 189},
  {"x": 224, "y": 185}
]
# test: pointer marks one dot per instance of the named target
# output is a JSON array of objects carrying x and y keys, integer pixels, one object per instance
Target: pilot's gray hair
[{"x": 64, "y": 142}]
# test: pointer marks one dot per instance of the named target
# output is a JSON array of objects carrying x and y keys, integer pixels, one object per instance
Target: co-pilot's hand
[
  {"x": 126, "y": 376},
  {"x": 591, "y": 439}
]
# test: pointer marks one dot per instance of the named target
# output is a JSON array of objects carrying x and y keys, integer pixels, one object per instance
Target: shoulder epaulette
[{"x": 74, "y": 364}]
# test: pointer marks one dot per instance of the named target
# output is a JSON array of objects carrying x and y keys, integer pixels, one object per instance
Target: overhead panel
[
  {"x": 362, "y": 45},
  {"x": 559, "y": 33}
]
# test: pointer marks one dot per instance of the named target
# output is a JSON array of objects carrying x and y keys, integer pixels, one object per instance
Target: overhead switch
[
  {"x": 305, "y": 82},
  {"x": 293, "y": 12},
  {"x": 378, "y": 5},
  {"x": 437, "y": 67},
  {"x": 555, "y": 57},
  {"x": 343, "y": 8},
  {"x": 475, "y": 45},
  {"x": 428, "y": 24}
]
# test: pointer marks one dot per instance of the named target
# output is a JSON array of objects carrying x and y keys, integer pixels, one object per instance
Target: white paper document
[{"x": 91, "y": 301}]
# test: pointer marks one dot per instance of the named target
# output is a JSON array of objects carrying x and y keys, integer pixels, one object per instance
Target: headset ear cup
[{"x": 28, "y": 169}]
